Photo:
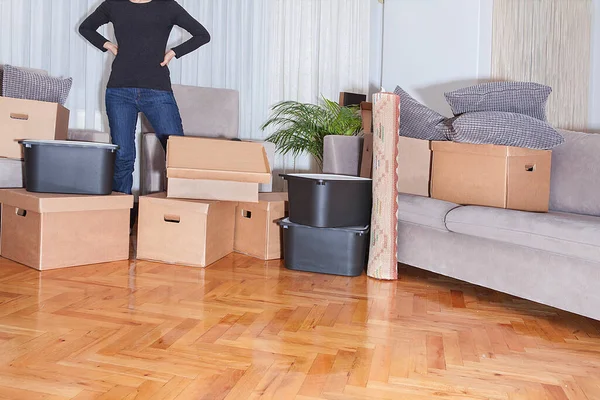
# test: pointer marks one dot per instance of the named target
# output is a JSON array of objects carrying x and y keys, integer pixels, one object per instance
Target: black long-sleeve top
[{"x": 142, "y": 31}]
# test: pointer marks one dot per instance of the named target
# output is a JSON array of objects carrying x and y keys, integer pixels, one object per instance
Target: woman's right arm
[{"x": 88, "y": 28}]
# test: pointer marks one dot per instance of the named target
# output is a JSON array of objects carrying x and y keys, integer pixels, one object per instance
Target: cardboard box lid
[
  {"x": 49, "y": 203},
  {"x": 199, "y": 158},
  {"x": 199, "y": 206},
  {"x": 25, "y": 106},
  {"x": 490, "y": 150}
]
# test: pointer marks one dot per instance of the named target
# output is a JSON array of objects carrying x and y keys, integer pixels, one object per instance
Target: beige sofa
[{"x": 551, "y": 258}]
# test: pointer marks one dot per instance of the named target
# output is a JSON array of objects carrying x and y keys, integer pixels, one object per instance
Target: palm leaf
[{"x": 300, "y": 128}]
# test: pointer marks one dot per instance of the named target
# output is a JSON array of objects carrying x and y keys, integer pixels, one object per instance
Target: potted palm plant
[{"x": 302, "y": 128}]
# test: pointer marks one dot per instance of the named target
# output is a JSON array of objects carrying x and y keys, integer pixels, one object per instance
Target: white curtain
[
  {"x": 547, "y": 41},
  {"x": 269, "y": 50}
]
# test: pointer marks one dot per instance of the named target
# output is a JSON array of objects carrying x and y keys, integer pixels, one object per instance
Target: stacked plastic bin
[{"x": 328, "y": 226}]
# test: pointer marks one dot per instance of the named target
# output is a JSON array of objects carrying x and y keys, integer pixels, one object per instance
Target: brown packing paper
[
  {"x": 257, "y": 232},
  {"x": 41, "y": 236},
  {"x": 186, "y": 232},
  {"x": 493, "y": 176},
  {"x": 27, "y": 119}
]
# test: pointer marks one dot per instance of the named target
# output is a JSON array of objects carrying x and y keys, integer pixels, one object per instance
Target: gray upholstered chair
[{"x": 205, "y": 112}]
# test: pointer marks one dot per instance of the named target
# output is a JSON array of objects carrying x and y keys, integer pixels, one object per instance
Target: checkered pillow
[
  {"x": 505, "y": 129},
  {"x": 22, "y": 84},
  {"x": 419, "y": 121},
  {"x": 526, "y": 98}
]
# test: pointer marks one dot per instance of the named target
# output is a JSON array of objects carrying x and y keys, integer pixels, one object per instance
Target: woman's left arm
[{"x": 200, "y": 35}]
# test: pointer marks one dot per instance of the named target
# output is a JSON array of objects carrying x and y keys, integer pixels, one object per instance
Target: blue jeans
[{"x": 123, "y": 106}]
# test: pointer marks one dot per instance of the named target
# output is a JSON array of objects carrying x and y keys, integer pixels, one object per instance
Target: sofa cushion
[
  {"x": 575, "y": 179},
  {"x": 526, "y": 98},
  {"x": 505, "y": 129},
  {"x": 24, "y": 84},
  {"x": 566, "y": 234},
  {"x": 419, "y": 121},
  {"x": 424, "y": 211},
  {"x": 11, "y": 173},
  {"x": 37, "y": 71},
  {"x": 205, "y": 112}
]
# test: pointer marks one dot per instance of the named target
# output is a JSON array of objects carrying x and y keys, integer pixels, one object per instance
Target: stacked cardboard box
[
  {"x": 474, "y": 174},
  {"x": 212, "y": 206},
  {"x": 26, "y": 119},
  {"x": 49, "y": 231}
]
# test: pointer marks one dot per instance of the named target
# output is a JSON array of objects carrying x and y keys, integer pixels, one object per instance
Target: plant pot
[{"x": 342, "y": 154}]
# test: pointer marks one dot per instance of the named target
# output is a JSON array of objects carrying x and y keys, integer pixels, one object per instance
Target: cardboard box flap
[
  {"x": 180, "y": 205},
  {"x": 265, "y": 201},
  {"x": 490, "y": 150},
  {"x": 50, "y": 203},
  {"x": 275, "y": 196},
  {"x": 249, "y": 177},
  {"x": 214, "y": 156}
]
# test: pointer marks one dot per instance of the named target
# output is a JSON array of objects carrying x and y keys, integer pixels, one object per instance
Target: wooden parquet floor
[{"x": 245, "y": 329}]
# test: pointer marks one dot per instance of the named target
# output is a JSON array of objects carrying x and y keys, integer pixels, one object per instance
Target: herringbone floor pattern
[{"x": 244, "y": 329}]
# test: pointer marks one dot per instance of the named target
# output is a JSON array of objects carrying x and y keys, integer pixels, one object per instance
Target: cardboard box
[
  {"x": 185, "y": 232},
  {"x": 49, "y": 231},
  {"x": 414, "y": 166},
  {"x": 28, "y": 119},
  {"x": 212, "y": 169},
  {"x": 366, "y": 161},
  {"x": 493, "y": 176},
  {"x": 257, "y": 232},
  {"x": 366, "y": 166}
]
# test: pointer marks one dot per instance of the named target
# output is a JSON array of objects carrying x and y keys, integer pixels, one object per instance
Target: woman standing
[{"x": 140, "y": 79}]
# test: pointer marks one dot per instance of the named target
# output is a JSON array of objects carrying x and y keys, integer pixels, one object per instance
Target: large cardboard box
[
  {"x": 414, "y": 166},
  {"x": 49, "y": 231},
  {"x": 213, "y": 169},
  {"x": 28, "y": 119},
  {"x": 493, "y": 176},
  {"x": 185, "y": 232},
  {"x": 257, "y": 232}
]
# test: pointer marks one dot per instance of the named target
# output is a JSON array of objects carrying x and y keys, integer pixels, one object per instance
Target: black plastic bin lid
[
  {"x": 356, "y": 229},
  {"x": 69, "y": 143},
  {"x": 324, "y": 177}
]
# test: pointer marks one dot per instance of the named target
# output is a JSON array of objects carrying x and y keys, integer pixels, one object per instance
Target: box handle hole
[
  {"x": 246, "y": 214},
  {"x": 21, "y": 212},
  {"x": 21, "y": 117},
  {"x": 530, "y": 168},
  {"x": 172, "y": 219}
]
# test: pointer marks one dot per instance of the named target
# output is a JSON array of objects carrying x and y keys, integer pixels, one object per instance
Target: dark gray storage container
[
  {"x": 335, "y": 251},
  {"x": 329, "y": 201},
  {"x": 56, "y": 166}
]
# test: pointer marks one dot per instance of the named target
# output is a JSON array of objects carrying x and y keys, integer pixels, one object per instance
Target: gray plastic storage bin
[
  {"x": 56, "y": 166},
  {"x": 329, "y": 201},
  {"x": 335, "y": 251}
]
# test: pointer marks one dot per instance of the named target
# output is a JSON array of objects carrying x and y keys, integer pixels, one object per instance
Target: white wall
[
  {"x": 594, "y": 111},
  {"x": 433, "y": 46},
  {"x": 376, "y": 50}
]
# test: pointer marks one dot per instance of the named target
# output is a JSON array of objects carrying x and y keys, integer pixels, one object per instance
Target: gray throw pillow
[
  {"x": 22, "y": 84},
  {"x": 526, "y": 98},
  {"x": 419, "y": 121},
  {"x": 505, "y": 129}
]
